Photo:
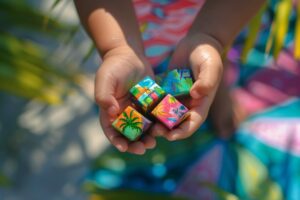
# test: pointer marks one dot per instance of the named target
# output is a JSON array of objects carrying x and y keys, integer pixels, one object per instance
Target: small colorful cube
[
  {"x": 177, "y": 82},
  {"x": 147, "y": 93},
  {"x": 131, "y": 123},
  {"x": 170, "y": 112}
]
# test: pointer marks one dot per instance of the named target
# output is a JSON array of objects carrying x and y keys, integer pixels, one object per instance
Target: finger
[
  {"x": 202, "y": 88},
  {"x": 204, "y": 85},
  {"x": 116, "y": 139},
  {"x": 136, "y": 148},
  {"x": 148, "y": 141},
  {"x": 119, "y": 142},
  {"x": 112, "y": 135},
  {"x": 192, "y": 123},
  {"x": 105, "y": 87},
  {"x": 207, "y": 69}
]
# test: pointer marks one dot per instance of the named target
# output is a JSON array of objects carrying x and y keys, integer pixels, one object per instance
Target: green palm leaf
[
  {"x": 279, "y": 28},
  {"x": 131, "y": 113},
  {"x": 138, "y": 129},
  {"x": 136, "y": 124},
  {"x": 55, "y": 3},
  {"x": 123, "y": 125},
  {"x": 126, "y": 116},
  {"x": 283, "y": 11},
  {"x": 253, "y": 31},
  {"x": 270, "y": 40},
  {"x": 124, "y": 120},
  {"x": 25, "y": 67},
  {"x": 4, "y": 181},
  {"x": 18, "y": 15},
  {"x": 134, "y": 119}
]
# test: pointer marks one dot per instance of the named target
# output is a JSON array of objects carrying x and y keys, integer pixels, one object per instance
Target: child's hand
[
  {"x": 202, "y": 53},
  {"x": 121, "y": 68}
]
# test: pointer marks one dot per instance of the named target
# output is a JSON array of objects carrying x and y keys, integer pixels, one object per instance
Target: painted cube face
[
  {"x": 147, "y": 93},
  {"x": 177, "y": 82},
  {"x": 131, "y": 123},
  {"x": 170, "y": 112}
]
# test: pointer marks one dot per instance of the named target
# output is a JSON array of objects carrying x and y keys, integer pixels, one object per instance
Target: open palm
[
  {"x": 120, "y": 70},
  {"x": 202, "y": 54}
]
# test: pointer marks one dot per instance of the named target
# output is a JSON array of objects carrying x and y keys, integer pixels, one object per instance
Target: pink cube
[{"x": 170, "y": 112}]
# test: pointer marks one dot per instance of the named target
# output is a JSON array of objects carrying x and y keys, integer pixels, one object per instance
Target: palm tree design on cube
[{"x": 131, "y": 125}]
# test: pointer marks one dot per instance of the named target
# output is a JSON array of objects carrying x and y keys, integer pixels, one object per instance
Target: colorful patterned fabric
[{"x": 261, "y": 161}]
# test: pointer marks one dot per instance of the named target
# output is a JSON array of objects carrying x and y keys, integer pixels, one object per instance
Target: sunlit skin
[{"x": 113, "y": 26}]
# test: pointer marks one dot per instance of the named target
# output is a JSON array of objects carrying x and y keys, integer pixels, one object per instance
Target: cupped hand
[
  {"x": 121, "y": 68},
  {"x": 202, "y": 53}
]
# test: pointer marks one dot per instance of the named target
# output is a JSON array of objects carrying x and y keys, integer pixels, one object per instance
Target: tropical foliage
[
  {"x": 131, "y": 121},
  {"x": 27, "y": 66},
  {"x": 280, "y": 17},
  {"x": 4, "y": 180}
]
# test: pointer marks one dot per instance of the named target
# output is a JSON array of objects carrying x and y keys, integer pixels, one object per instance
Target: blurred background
[
  {"x": 51, "y": 142},
  {"x": 49, "y": 129}
]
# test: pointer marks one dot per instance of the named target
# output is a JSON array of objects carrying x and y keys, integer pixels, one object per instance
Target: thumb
[
  {"x": 202, "y": 88},
  {"x": 208, "y": 69},
  {"x": 105, "y": 87}
]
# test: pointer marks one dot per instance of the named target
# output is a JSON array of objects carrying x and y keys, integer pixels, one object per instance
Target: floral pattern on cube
[
  {"x": 170, "y": 112},
  {"x": 177, "y": 82},
  {"x": 147, "y": 93},
  {"x": 131, "y": 123}
]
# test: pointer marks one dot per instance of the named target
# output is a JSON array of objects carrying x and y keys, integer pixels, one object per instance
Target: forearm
[
  {"x": 223, "y": 20},
  {"x": 110, "y": 23}
]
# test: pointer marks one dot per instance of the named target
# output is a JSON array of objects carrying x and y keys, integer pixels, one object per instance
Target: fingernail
[
  {"x": 158, "y": 133},
  {"x": 120, "y": 148},
  {"x": 152, "y": 146},
  {"x": 142, "y": 152},
  {"x": 171, "y": 138}
]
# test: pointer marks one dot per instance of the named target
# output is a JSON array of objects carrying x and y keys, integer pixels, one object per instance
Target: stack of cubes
[{"x": 156, "y": 100}]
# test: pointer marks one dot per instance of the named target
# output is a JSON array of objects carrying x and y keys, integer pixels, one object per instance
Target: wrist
[
  {"x": 129, "y": 57},
  {"x": 121, "y": 46},
  {"x": 123, "y": 50},
  {"x": 201, "y": 38}
]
